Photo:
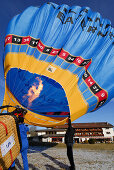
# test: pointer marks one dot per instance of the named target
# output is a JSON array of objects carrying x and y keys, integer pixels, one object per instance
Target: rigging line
[
  {"x": 67, "y": 70},
  {"x": 47, "y": 62},
  {"x": 29, "y": 32},
  {"x": 23, "y": 76},
  {"x": 10, "y": 52},
  {"x": 34, "y": 52},
  {"x": 39, "y": 124},
  {"x": 93, "y": 105},
  {"x": 46, "y": 57},
  {"x": 27, "y": 88},
  {"x": 11, "y": 81},
  {"x": 42, "y": 70},
  {"x": 89, "y": 97},
  {"x": 17, "y": 87},
  {"x": 39, "y": 56},
  {"x": 75, "y": 69},
  {"x": 14, "y": 81},
  {"x": 71, "y": 91},
  {"x": 54, "y": 60},
  {"x": 39, "y": 73},
  {"x": 81, "y": 83},
  {"x": 40, "y": 76},
  {"x": 20, "y": 48},
  {"x": 61, "y": 63},
  {"x": 72, "y": 79},
  {"x": 27, "y": 49},
  {"x": 54, "y": 91},
  {"x": 47, "y": 90},
  {"x": 67, "y": 66},
  {"x": 43, "y": 120},
  {"x": 10, "y": 98},
  {"x": 84, "y": 91},
  {"x": 11, "y": 48},
  {"x": 78, "y": 71},
  {"x": 4, "y": 101}
]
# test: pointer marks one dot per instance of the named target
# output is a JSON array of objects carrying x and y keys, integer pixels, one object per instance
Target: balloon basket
[{"x": 9, "y": 141}]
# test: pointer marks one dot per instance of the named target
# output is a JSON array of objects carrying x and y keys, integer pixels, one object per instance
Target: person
[
  {"x": 69, "y": 143},
  {"x": 23, "y": 133}
]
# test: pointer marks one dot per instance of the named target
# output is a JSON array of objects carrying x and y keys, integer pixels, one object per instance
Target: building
[{"x": 100, "y": 131}]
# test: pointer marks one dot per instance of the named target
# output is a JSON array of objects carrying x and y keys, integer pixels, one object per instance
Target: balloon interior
[{"x": 58, "y": 63}]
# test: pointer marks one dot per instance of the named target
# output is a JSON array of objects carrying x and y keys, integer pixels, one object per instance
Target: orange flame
[{"x": 34, "y": 91}]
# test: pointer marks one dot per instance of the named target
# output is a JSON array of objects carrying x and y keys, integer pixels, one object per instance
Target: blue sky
[{"x": 10, "y": 8}]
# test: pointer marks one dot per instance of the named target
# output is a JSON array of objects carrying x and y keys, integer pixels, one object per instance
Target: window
[{"x": 107, "y": 132}]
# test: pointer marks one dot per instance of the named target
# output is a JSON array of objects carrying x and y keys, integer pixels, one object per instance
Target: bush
[
  {"x": 91, "y": 141},
  {"x": 86, "y": 141}
]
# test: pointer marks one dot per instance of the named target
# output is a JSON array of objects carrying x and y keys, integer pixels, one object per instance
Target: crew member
[
  {"x": 23, "y": 133},
  {"x": 69, "y": 143}
]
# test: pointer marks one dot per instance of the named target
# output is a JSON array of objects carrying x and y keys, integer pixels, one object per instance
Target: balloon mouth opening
[{"x": 38, "y": 93}]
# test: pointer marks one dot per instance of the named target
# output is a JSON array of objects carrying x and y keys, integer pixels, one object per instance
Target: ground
[{"x": 54, "y": 158}]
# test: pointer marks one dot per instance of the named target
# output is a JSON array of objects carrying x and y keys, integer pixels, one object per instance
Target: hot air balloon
[{"x": 58, "y": 63}]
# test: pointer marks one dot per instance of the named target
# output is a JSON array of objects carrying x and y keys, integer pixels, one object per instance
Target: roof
[
  {"x": 78, "y": 126},
  {"x": 53, "y": 135},
  {"x": 50, "y": 129},
  {"x": 87, "y": 125}
]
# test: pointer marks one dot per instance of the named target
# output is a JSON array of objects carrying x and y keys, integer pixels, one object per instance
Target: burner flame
[{"x": 34, "y": 91}]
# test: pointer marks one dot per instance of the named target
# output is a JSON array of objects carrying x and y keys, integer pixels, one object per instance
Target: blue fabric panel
[
  {"x": 43, "y": 57},
  {"x": 72, "y": 67},
  {"x": 51, "y": 99},
  {"x": 91, "y": 108},
  {"x": 65, "y": 65},
  {"x": 50, "y": 59},
  {"x": 82, "y": 87},
  {"x": 37, "y": 54},
  {"x": 58, "y": 61},
  {"x": 15, "y": 48},
  {"x": 87, "y": 94},
  {"x": 30, "y": 51},
  {"x": 23, "y": 48},
  {"x": 7, "y": 49},
  {"x": 77, "y": 70},
  {"x": 92, "y": 101}
]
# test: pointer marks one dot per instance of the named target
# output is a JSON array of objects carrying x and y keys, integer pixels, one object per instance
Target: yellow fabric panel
[{"x": 68, "y": 81}]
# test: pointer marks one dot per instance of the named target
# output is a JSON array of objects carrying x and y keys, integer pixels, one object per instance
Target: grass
[{"x": 100, "y": 146}]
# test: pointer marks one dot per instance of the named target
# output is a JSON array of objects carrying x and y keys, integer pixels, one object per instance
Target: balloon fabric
[{"x": 58, "y": 63}]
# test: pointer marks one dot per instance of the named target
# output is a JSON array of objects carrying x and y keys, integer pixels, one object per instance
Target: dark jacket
[{"x": 69, "y": 135}]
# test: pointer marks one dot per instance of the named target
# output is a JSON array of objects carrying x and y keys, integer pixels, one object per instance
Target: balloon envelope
[{"x": 58, "y": 62}]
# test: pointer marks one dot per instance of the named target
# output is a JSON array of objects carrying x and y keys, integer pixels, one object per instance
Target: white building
[{"x": 100, "y": 131}]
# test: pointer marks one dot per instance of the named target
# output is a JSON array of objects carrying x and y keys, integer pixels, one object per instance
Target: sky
[{"x": 10, "y": 8}]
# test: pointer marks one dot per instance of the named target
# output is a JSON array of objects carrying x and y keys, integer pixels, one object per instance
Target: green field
[{"x": 100, "y": 146}]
